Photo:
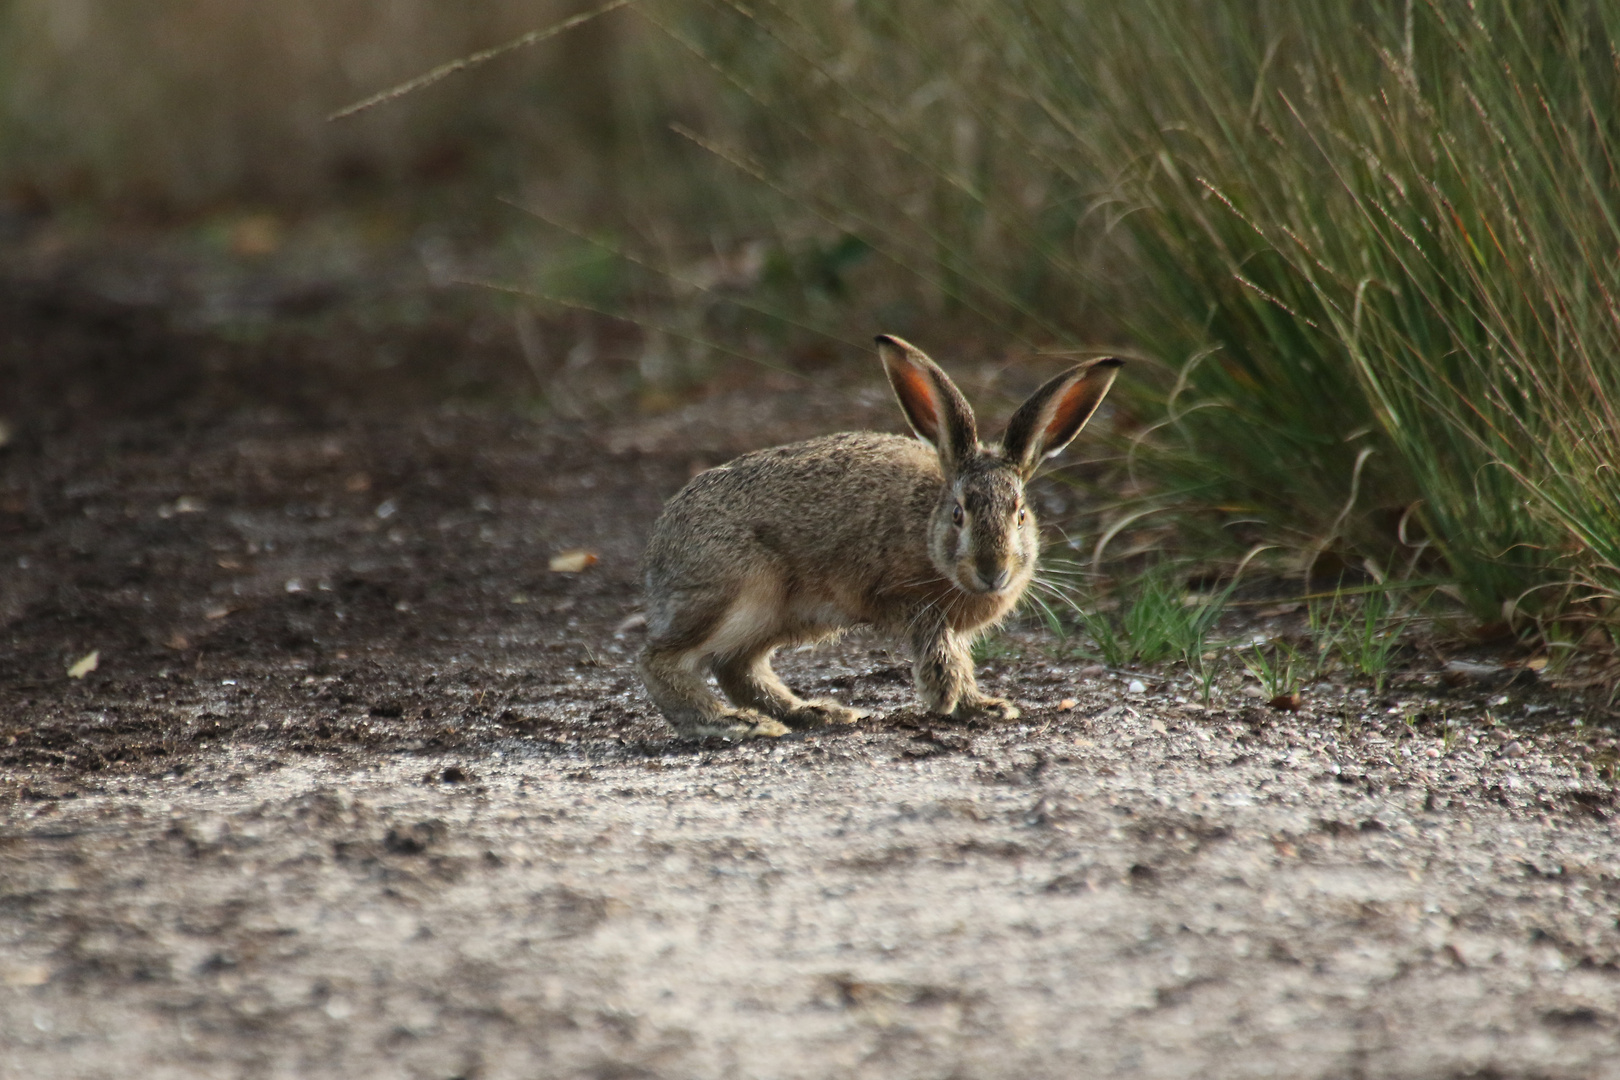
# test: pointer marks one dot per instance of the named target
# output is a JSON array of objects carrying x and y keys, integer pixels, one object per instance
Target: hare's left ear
[{"x": 1055, "y": 413}]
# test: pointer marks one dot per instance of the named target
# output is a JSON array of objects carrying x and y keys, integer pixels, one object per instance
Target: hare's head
[{"x": 982, "y": 534}]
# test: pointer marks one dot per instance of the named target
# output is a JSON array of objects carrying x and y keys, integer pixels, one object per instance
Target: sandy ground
[{"x": 359, "y": 788}]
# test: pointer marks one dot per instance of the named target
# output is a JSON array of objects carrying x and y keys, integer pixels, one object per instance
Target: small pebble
[
  {"x": 1513, "y": 749},
  {"x": 1066, "y": 704},
  {"x": 1093, "y": 671},
  {"x": 1253, "y": 692},
  {"x": 1136, "y": 686}
]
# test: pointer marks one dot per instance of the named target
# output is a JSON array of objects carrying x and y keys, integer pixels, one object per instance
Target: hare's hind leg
[
  {"x": 675, "y": 679},
  {"x": 674, "y": 667},
  {"x": 748, "y": 680}
]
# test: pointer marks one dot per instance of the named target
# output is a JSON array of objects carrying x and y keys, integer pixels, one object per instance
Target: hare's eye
[
  {"x": 956, "y": 514},
  {"x": 1023, "y": 515}
]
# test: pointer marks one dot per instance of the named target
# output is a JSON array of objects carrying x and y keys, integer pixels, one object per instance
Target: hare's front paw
[
  {"x": 821, "y": 713},
  {"x": 993, "y": 709}
]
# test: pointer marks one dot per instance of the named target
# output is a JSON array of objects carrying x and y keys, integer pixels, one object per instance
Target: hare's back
[{"x": 840, "y": 500}]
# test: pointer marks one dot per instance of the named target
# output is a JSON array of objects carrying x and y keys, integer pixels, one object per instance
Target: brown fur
[{"x": 797, "y": 543}]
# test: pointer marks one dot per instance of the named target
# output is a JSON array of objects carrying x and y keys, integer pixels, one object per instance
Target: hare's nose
[{"x": 996, "y": 579}]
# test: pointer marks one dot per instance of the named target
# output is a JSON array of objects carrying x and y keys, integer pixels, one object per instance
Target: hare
[{"x": 929, "y": 541}]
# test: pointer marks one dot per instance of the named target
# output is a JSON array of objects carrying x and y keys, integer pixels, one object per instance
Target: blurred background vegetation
[
  {"x": 176, "y": 107},
  {"x": 1365, "y": 253}
]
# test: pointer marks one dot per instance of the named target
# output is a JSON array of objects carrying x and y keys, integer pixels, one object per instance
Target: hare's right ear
[
  {"x": 934, "y": 407},
  {"x": 1055, "y": 413}
]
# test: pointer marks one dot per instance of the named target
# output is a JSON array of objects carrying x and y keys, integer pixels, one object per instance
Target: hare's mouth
[{"x": 976, "y": 581}]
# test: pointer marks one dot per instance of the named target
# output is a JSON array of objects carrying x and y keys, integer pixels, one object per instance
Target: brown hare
[{"x": 928, "y": 543}]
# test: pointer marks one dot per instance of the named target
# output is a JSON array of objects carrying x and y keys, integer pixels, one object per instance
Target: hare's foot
[
  {"x": 822, "y": 712},
  {"x": 735, "y": 724},
  {"x": 993, "y": 709},
  {"x": 749, "y": 682},
  {"x": 943, "y": 671},
  {"x": 692, "y": 709}
]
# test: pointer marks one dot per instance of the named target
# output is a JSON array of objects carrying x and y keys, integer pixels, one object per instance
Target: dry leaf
[
  {"x": 85, "y": 665},
  {"x": 572, "y": 561},
  {"x": 26, "y": 975},
  {"x": 1286, "y": 702},
  {"x": 178, "y": 642}
]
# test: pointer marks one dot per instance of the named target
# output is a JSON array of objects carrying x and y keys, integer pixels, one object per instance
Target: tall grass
[{"x": 1397, "y": 232}]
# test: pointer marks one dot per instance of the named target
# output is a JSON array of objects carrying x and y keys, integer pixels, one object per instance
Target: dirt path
[{"x": 359, "y": 788}]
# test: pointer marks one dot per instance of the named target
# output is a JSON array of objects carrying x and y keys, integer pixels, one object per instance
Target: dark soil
[{"x": 358, "y": 786}]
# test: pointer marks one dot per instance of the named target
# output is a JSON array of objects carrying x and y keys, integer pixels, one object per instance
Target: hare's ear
[
  {"x": 1055, "y": 413},
  {"x": 934, "y": 407}
]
